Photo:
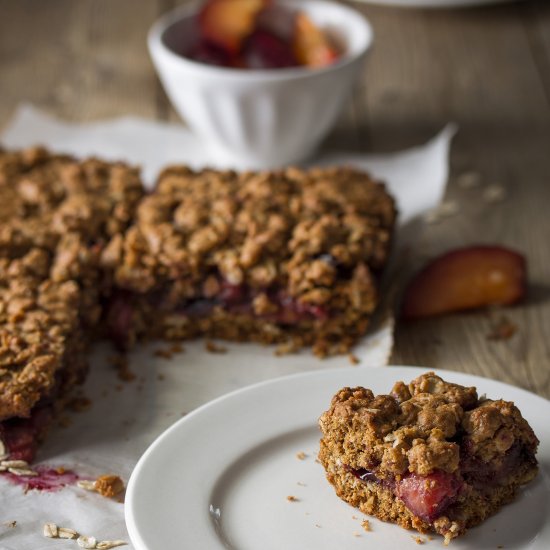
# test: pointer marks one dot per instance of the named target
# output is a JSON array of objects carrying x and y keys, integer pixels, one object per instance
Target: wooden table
[{"x": 488, "y": 69}]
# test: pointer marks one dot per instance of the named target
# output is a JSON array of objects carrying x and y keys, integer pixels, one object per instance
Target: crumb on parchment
[
  {"x": 503, "y": 329},
  {"x": 121, "y": 364},
  {"x": 212, "y": 347},
  {"x": 107, "y": 485},
  {"x": 10, "y": 524}
]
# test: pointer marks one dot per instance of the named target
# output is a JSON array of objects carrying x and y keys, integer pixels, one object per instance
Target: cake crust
[{"x": 430, "y": 455}]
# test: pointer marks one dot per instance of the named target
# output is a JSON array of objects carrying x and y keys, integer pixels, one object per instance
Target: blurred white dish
[
  {"x": 220, "y": 477},
  {"x": 260, "y": 118},
  {"x": 436, "y": 3}
]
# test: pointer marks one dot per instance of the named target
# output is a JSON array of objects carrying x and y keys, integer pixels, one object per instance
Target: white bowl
[{"x": 260, "y": 118}]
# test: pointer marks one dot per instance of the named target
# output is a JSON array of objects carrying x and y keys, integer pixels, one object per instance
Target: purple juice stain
[{"x": 48, "y": 479}]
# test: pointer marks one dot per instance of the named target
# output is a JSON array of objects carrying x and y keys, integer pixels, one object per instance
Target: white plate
[
  {"x": 220, "y": 477},
  {"x": 436, "y": 3}
]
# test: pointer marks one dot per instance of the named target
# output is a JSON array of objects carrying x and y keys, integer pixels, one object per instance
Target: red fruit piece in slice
[
  {"x": 311, "y": 46},
  {"x": 227, "y": 23},
  {"x": 427, "y": 496},
  {"x": 466, "y": 278}
]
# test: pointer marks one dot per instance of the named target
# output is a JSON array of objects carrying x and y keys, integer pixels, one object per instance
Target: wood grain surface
[{"x": 487, "y": 69}]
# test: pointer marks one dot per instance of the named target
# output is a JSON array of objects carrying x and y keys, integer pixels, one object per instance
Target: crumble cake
[
  {"x": 56, "y": 214},
  {"x": 431, "y": 456},
  {"x": 288, "y": 257}
]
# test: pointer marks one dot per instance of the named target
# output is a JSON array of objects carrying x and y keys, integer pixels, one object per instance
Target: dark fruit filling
[
  {"x": 236, "y": 299},
  {"x": 22, "y": 435},
  {"x": 478, "y": 473},
  {"x": 46, "y": 479},
  {"x": 428, "y": 497}
]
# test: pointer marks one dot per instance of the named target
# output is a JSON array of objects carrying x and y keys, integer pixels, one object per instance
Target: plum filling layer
[
  {"x": 478, "y": 473},
  {"x": 21, "y": 436},
  {"x": 239, "y": 299},
  {"x": 236, "y": 299},
  {"x": 429, "y": 496}
]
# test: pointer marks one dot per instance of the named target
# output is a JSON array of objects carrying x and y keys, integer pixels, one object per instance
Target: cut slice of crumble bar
[{"x": 430, "y": 456}]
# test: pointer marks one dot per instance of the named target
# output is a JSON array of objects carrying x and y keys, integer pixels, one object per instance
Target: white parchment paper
[{"x": 126, "y": 417}]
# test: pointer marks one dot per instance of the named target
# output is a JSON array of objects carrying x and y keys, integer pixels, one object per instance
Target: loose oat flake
[
  {"x": 66, "y": 533},
  {"x": 494, "y": 193},
  {"x": 86, "y": 542},
  {"x": 467, "y": 180},
  {"x": 50, "y": 530},
  {"x": 17, "y": 468},
  {"x": 14, "y": 464},
  {"x": 86, "y": 484},
  {"x": 22, "y": 472},
  {"x": 106, "y": 544}
]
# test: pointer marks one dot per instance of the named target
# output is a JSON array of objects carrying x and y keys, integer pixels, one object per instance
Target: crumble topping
[
  {"x": 415, "y": 428},
  {"x": 289, "y": 257},
  {"x": 297, "y": 229}
]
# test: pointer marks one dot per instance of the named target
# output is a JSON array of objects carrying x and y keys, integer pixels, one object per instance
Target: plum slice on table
[{"x": 466, "y": 278}]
